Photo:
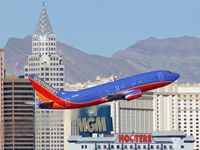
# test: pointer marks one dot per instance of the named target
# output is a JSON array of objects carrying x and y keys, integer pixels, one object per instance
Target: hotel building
[
  {"x": 18, "y": 117},
  {"x": 177, "y": 107},
  {"x": 162, "y": 140}
]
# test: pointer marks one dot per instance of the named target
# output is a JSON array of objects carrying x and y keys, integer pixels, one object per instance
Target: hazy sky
[{"x": 102, "y": 26}]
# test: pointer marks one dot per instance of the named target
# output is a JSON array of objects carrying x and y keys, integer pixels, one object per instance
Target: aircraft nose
[{"x": 175, "y": 76}]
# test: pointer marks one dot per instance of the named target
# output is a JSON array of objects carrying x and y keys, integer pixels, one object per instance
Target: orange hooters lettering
[
  {"x": 141, "y": 138},
  {"x": 121, "y": 138},
  {"x": 45, "y": 85},
  {"x": 149, "y": 138}
]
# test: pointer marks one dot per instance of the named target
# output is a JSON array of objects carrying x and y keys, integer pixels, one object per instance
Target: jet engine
[{"x": 133, "y": 95}]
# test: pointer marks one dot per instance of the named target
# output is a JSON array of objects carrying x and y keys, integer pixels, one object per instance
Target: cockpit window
[{"x": 169, "y": 72}]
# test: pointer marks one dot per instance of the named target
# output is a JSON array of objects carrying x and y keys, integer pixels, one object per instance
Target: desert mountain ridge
[{"x": 181, "y": 55}]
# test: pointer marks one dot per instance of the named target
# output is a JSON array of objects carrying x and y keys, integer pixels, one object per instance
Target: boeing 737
[{"x": 124, "y": 89}]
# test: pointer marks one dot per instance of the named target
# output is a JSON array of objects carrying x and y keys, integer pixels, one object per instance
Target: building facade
[
  {"x": 165, "y": 108},
  {"x": 50, "y": 126},
  {"x": 18, "y": 117},
  {"x": 134, "y": 116},
  {"x": 177, "y": 107},
  {"x": 165, "y": 140},
  {"x": 1, "y": 97}
]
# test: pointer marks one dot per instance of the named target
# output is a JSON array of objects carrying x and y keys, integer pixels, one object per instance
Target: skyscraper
[
  {"x": 44, "y": 62},
  {"x": 18, "y": 117},
  {"x": 1, "y": 96}
]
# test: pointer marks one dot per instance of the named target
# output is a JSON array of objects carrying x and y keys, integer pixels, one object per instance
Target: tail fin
[
  {"x": 45, "y": 92},
  {"x": 49, "y": 96}
]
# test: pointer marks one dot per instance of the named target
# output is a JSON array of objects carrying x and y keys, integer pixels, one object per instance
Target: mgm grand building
[{"x": 93, "y": 130}]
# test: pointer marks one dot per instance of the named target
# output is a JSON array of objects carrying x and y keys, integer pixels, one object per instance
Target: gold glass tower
[
  {"x": 18, "y": 117},
  {"x": 1, "y": 95}
]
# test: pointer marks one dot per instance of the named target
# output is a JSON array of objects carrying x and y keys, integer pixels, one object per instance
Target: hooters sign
[{"x": 142, "y": 138}]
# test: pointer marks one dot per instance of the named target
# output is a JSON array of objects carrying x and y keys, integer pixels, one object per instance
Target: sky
[{"x": 102, "y": 27}]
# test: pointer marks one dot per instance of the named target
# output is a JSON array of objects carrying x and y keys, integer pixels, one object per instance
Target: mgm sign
[
  {"x": 94, "y": 120},
  {"x": 92, "y": 125}
]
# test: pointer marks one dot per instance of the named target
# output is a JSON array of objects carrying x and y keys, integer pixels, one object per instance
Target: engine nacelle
[{"x": 133, "y": 95}]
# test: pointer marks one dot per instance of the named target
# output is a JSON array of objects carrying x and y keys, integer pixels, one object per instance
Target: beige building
[
  {"x": 1, "y": 96},
  {"x": 134, "y": 116},
  {"x": 176, "y": 107},
  {"x": 88, "y": 84},
  {"x": 165, "y": 108},
  {"x": 18, "y": 117}
]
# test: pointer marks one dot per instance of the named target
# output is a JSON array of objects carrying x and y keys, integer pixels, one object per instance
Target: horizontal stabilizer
[
  {"x": 31, "y": 103},
  {"x": 43, "y": 105}
]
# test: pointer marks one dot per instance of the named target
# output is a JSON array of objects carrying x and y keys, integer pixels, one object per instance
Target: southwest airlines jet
[{"x": 123, "y": 89}]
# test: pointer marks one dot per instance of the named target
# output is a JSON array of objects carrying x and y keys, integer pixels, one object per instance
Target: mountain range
[{"x": 181, "y": 55}]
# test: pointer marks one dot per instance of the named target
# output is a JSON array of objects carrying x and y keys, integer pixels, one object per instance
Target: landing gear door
[{"x": 160, "y": 76}]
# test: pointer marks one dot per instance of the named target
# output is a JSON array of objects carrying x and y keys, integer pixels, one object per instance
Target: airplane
[{"x": 123, "y": 89}]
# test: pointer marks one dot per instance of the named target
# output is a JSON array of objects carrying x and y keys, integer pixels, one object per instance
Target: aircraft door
[
  {"x": 67, "y": 103},
  {"x": 117, "y": 88},
  {"x": 160, "y": 76}
]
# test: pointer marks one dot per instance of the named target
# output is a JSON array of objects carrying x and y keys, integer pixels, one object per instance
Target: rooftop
[{"x": 43, "y": 27}]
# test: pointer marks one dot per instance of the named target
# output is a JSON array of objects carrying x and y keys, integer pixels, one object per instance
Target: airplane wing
[{"x": 130, "y": 95}]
